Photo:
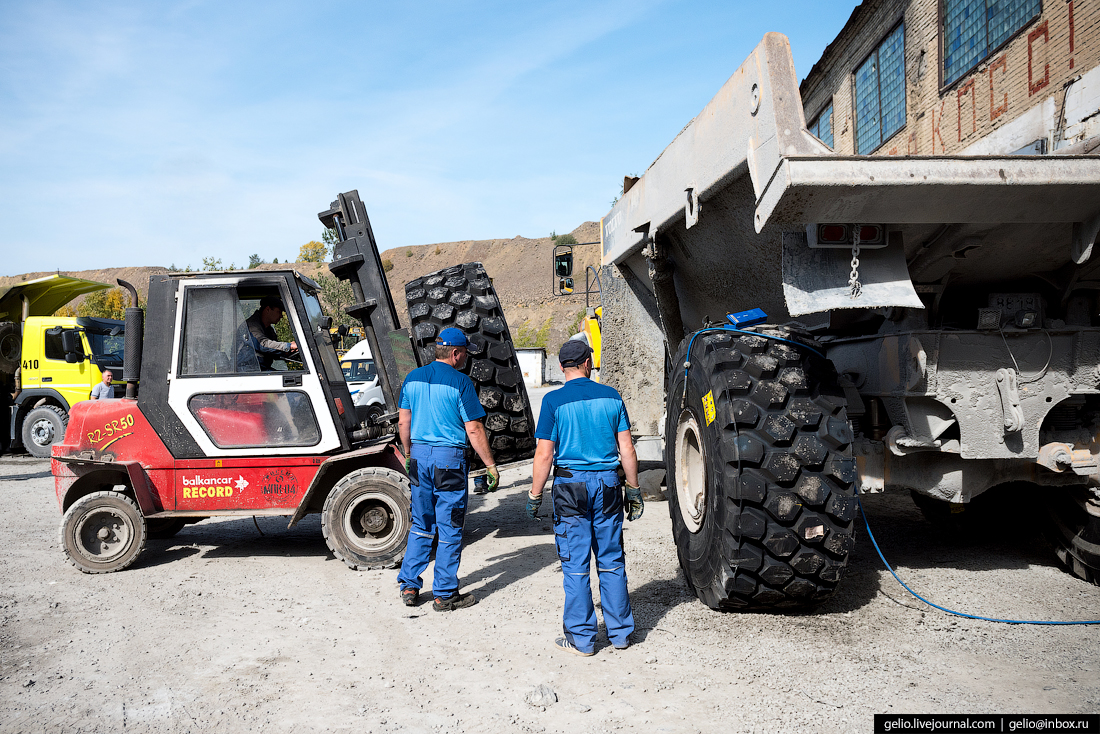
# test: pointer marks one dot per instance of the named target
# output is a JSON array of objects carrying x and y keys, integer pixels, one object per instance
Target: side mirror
[
  {"x": 342, "y": 330},
  {"x": 563, "y": 264},
  {"x": 565, "y": 285},
  {"x": 324, "y": 323},
  {"x": 70, "y": 344}
]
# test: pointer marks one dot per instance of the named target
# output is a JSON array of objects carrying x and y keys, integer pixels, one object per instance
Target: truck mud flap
[{"x": 816, "y": 280}]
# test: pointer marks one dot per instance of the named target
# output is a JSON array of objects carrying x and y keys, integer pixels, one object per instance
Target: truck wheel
[
  {"x": 159, "y": 528},
  {"x": 11, "y": 348},
  {"x": 42, "y": 428},
  {"x": 761, "y": 476},
  {"x": 1074, "y": 531},
  {"x": 366, "y": 518},
  {"x": 103, "y": 532},
  {"x": 462, "y": 296}
]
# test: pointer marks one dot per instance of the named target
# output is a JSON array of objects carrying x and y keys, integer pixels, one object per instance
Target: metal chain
[{"x": 855, "y": 289}]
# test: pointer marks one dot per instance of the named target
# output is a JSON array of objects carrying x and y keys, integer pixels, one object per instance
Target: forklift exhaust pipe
[{"x": 135, "y": 333}]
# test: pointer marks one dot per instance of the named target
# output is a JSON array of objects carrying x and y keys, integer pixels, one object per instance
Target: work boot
[
  {"x": 410, "y": 597},
  {"x": 458, "y": 601}
]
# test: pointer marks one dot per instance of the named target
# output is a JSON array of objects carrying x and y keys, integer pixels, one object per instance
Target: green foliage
[
  {"x": 211, "y": 263},
  {"x": 282, "y": 329},
  {"x": 437, "y": 250},
  {"x": 563, "y": 239},
  {"x": 408, "y": 253},
  {"x": 335, "y": 294},
  {"x": 526, "y": 336},
  {"x": 255, "y": 261},
  {"x": 387, "y": 264},
  {"x": 106, "y": 304},
  {"x": 331, "y": 239},
  {"x": 575, "y": 327},
  {"x": 312, "y": 252},
  {"x": 275, "y": 261}
]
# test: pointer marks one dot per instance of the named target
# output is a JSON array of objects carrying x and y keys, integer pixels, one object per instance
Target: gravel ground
[{"x": 233, "y": 626}]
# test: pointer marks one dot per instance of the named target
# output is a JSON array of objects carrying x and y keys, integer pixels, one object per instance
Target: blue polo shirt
[
  {"x": 442, "y": 400},
  {"x": 582, "y": 418}
]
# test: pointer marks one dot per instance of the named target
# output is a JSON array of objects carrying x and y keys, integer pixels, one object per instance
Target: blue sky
[{"x": 151, "y": 133}]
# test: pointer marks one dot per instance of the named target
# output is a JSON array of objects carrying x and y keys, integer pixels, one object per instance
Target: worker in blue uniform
[
  {"x": 584, "y": 432},
  {"x": 438, "y": 412}
]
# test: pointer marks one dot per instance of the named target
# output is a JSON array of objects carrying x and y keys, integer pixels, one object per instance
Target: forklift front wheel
[
  {"x": 103, "y": 532},
  {"x": 366, "y": 518}
]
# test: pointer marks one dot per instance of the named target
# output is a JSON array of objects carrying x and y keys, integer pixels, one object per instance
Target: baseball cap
[
  {"x": 573, "y": 353},
  {"x": 451, "y": 337}
]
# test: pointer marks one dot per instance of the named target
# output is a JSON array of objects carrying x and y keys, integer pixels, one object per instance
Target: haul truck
[
  {"x": 211, "y": 433},
  {"x": 931, "y": 325},
  {"x": 50, "y": 363}
]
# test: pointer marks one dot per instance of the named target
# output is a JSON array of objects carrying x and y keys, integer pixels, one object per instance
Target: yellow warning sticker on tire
[{"x": 708, "y": 407}]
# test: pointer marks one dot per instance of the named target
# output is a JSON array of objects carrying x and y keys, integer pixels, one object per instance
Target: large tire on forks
[
  {"x": 463, "y": 297},
  {"x": 761, "y": 475}
]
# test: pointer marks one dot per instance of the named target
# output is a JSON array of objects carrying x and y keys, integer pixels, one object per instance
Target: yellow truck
[{"x": 48, "y": 363}]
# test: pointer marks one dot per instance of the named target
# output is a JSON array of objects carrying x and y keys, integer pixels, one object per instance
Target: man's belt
[{"x": 566, "y": 474}]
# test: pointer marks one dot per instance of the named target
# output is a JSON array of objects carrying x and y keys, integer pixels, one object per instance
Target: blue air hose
[{"x": 945, "y": 609}]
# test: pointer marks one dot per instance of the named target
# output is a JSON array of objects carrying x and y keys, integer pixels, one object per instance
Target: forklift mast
[{"x": 355, "y": 259}]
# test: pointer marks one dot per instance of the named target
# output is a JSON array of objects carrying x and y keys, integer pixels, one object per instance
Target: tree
[
  {"x": 563, "y": 239},
  {"x": 331, "y": 239},
  {"x": 104, "y": 304},
  {"x": 211, "y": 263},
  {"x": 312, "y": 252},
  {"x": 255, "y": 261},
  {"x": 335, "y": 294},
  {"x": 387, "y": 264},
  {"x": 275, "y": 261}
]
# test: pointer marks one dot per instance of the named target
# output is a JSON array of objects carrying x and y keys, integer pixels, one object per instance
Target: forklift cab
[{"x": 218, "y": 389}]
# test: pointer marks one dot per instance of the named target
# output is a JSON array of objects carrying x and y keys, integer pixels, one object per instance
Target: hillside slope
[{"x": 521, "y": 270}]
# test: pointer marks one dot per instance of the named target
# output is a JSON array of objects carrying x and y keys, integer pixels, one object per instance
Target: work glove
[
  {"x": 533, "y": 505},
  {"x": 408, "y": 465},
  {"x": 493, "y": 473},
  {"x": 634, "y": 505}
]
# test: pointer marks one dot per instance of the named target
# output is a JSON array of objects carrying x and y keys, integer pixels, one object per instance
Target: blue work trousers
[
  {"x": 588, "y": 519},
  {"x": 439, "y": 500}
]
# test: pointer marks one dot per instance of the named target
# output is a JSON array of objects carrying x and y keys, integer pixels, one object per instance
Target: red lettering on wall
[
  {"x": 1069, "y": 7},
  {"x": 964, "y": 89},
  {"x": 994, "y": 110},
  {"x": 936, "y": 129},
  {"x": 1033, "y": 86}
]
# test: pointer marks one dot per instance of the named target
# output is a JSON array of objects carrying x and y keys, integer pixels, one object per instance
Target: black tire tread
[
  {"x": 11, "y": 346},
  {"x": 462, "y": 296},
  {"x": 31, "y": 447},
  {"x": 76, "y": 508},
  {"x": 1074, "y": 532},
  {"x": 397, "y": 553},
  {"x": 780, "y": 414}
]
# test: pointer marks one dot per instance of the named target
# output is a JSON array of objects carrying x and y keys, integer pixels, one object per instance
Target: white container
[{"x": 533, "y": 364}]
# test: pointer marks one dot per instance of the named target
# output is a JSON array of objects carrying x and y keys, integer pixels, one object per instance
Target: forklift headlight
[{"x": 1027, "y": 318}]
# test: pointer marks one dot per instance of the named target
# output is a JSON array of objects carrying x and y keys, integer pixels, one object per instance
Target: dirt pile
[{"x": 521, "y": 269}]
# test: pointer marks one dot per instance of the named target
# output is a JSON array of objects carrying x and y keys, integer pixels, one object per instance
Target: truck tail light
[
  {"x": 832, "y": 233},
  {"x": 870, "y": 234}
]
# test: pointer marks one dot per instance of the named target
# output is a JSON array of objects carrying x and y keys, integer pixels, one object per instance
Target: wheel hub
[
  {"x": 42, "y": 432},
  {"x": 370, "y": 522},
  {"x": 103, "y": 535},
  {"x": 691, "y": 472},
  {"x": 374, "y": 520}
]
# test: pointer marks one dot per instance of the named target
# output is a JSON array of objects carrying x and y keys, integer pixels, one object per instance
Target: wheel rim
[
  {"x": 372, "y": 522},
  {"x": 691, "y": 472},
  {"x": 42, "y": 432},
  {"x": 104, "y": 535}
]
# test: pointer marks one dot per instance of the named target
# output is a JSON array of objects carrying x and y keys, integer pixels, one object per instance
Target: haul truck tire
[
  {"x": 761, "y": 480},
  {"x": 1074, "y": 531},
  {"x": 366, "y": 518},
  {"x": 103, "y": 532},
  {"x": 462, "y": 296},
  {"x": 42, "y": 428},
  {"x": 11, "y": 348}
]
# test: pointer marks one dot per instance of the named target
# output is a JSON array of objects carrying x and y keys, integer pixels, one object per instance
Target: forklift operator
[{"x": 264, "y": 339}]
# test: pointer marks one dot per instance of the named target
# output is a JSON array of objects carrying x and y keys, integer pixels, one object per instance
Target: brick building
[{"x": 971, "y": 77}]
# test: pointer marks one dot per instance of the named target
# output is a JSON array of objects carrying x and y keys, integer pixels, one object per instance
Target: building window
[
  {"x": 822, "y": 126},
  {"x": 974, "y": 29},
  {"x": 880, "y": 93}
]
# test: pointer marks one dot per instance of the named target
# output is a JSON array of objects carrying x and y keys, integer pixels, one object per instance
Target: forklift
[{"x": 207, "y": 429}]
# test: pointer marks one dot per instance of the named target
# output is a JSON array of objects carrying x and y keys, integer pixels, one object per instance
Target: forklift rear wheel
[
  {"x": 164, "y": 527},
  {"x": 103, "y": 532},
  {"x": 42, "y": 428},
  {"x": 366, "y": 518}
]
